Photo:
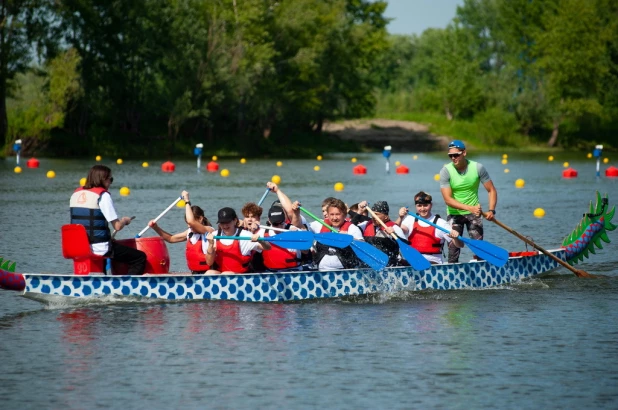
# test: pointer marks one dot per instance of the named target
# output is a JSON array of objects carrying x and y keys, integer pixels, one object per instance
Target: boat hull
[{"x": 288, "y": 286}]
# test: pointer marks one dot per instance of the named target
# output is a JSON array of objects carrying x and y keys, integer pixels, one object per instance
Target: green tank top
[{"x": 465, "y": 187}]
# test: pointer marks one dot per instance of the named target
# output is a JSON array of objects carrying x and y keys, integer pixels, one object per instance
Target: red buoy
[
  {"x": 359, "y": 169},
  {"x": 402, "y": 169},
  {"x": 212, "y": 166},
  {"x": 611, "y": 172},
  {"x": 32, "y": 163},
  {"x": 569, "y": 173},
  {"x": 168, "y": 166}
]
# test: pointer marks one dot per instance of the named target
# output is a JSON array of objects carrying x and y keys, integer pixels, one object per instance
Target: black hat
[
  {"x": 381, "y": 207},
  {"x": 277, "y": 202},
  {"x": 276, "y": 215},
  {"x": 226, "y": 215}
]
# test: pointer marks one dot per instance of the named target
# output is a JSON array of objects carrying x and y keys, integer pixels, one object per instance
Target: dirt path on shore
[{"x": 376, "y": 133}]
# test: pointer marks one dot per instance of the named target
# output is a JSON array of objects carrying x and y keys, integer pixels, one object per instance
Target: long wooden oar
[
  {"x": 372, "y": 256},
  {"x": 484, "y": 250},
  {"x": 414, "y": 257},
  {"x": 300, "y": 240},
  {"x": 139, "y": 235},
  {"x": 578, "y": 272}
]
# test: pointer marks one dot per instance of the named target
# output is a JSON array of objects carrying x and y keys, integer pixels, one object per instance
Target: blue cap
[{"x": 457, "y": 144}]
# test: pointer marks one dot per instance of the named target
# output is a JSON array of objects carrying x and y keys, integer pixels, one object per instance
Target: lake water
[{"x": 542, "y": 343}]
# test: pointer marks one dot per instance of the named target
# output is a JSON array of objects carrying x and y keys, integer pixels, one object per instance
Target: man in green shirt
[{"x": 459, "y": 184}]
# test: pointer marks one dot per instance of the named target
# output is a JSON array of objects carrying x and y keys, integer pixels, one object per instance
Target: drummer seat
[{"x": 75, "y": 246}]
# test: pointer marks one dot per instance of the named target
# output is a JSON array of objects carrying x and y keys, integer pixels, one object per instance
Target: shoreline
[{"x": 376, "y": 133}]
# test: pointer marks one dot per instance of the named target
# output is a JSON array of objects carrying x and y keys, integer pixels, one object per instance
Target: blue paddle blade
[
  {"x": 301, "y": 240},
  {"x": 488, "y": 251},
  {"x": 414, "y": 257},
  {"x": 334, "y": 239},
  {"x": 369, "y": 254}
]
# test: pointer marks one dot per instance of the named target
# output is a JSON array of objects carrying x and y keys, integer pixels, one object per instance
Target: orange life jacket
[
  {"x": 279, "y": 258},
  {"x": 229, "y": 257},
  {"x": 424, "y": 240},
  {"x": 196, "y": 259}
]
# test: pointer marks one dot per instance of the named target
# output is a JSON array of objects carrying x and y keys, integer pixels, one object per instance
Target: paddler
[
  {"x": 231, "y": 255},
  {"x": 380, "y": 237},
  {"x": 195, "y": 236},
  {"x": 423, "y": 237},
  {"x": 325, "y": 257}
]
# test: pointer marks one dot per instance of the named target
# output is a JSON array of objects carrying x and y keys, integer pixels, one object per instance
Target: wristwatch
[
  {"x": 188, "y": 203},
  {"x": 493, "y": 211}
]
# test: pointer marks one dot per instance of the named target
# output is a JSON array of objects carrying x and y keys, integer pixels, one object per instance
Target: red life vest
[
  {"x": 424, "y": 240},
  {"x": 370, "y": 228},
  {"x": 196, "y": 259},
  {"x": 279, "y": 258},
  {"x": 343, "y": 229},
  {"x": 229, "y": 257}
]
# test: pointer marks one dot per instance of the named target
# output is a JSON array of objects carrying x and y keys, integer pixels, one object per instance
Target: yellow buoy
[
  {"x": 98, "y": 158},
  {"x": 124, "y": 191},
  {"x": 339, "y": 187},
  {"x": 504, "y": 156},
  {"x": 566, "y": 164},
  {"x": 505, "y": 161},
  {"x": 589, "y": 155},
  {"x": 243, "y": 161},
  {"x": 397, "y": 163},
  {"x": 225, "y": 173},
  {"x": 17, "y": 169},
  {"x": 539, "y": 212},
  {"x": 319, "y": 158},
  {"x": 436, "y": 177},
  {"x": 82, "y": 182},
  {"x": 316, "y": 168},
  {"x": 181, "y": 203},
  {"x": 279, "y": 163},
  {"x": 506, "y": 170},
  {"x": 605, "y": 160},
  {"x": 276, "y": 179},
  {"x": 119, "y": 161},
  {"x": 214, "y": 157},
  {"x": 520, "y": 183},
  {"x": 51, "y": 174},
  {"x": 550, "y": 158},
  {"x": 145, "y": 164},
  {"x": 415, "y": 157},
  {"x": 353, "y": 160}
]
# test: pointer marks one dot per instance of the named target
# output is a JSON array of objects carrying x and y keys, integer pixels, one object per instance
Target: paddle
[
  {"x": 414, "y": 257},
  {"x": 263, "y": 197},
  {"x": 139, "y": 235},
  {"x": 578, "y": 272},
  {"x": 300, "y": 240},
  {"x": 373, "y": 257},
  {"x": 331, "y": 239},
  {"x": 484, "y": 250}
]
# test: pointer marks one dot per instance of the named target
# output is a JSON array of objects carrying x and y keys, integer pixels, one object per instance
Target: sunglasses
[
  {"x": 111, "y": 179},
  {"x": 455, "y": 154},
  {"x": 422, "y": 203}
]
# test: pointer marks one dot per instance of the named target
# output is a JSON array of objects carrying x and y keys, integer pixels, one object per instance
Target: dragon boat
[{"x": 85, "y": 282}]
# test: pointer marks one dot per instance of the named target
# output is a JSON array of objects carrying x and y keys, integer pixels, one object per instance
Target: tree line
[
  {"x": 260, "y": 76},
  {"x": 239, "y": 74},
  {"x": 525, "y": 71}
]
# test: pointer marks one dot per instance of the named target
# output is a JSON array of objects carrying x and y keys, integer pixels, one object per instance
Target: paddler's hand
[
  {"x": 185, "y": 196},
  {"x": 403, "y": 212},
  {"x": 490, "y": 216},
  {"x": 126, "y": 220},
  {"x": 272, "y": 186},
  {"x": 453, "y": 234},
  {"x": 211, "y": 237},
  {"x": 255, "y": 237},
  {"x": 477, "y": 210},
  {"x": 153, "y": 224},
  {"x": 389, "y": 230},
  {"x": 296, "y": 207}
]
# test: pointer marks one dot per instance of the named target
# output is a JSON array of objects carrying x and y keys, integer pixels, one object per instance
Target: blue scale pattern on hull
[{"x": 279, "y": 287}]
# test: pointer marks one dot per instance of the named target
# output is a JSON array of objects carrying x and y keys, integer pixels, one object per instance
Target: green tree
[{"x": 574, "y": 62}]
